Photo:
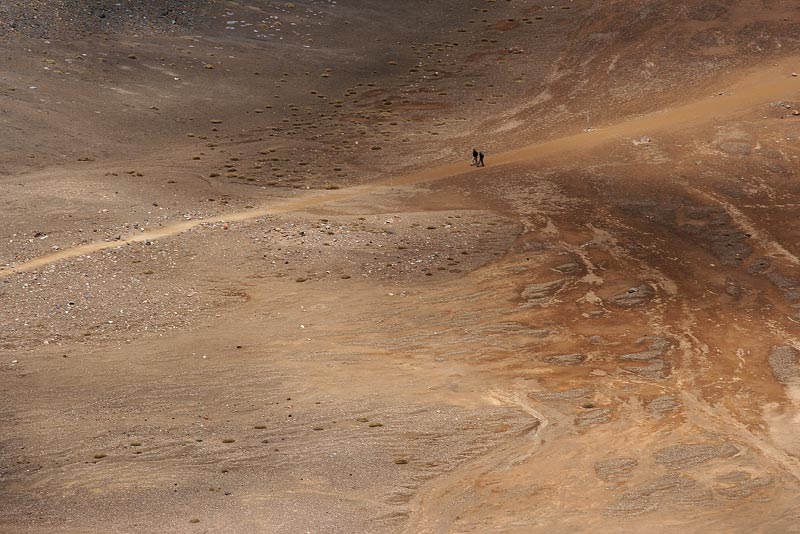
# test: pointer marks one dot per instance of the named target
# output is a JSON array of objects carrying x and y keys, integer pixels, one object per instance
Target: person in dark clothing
[
  {"x": 481, "y": 160},
  {"x": 475, "y": 156}
]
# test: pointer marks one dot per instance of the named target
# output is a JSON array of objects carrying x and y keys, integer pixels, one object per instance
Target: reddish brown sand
[{"x": 284, "y": 301}]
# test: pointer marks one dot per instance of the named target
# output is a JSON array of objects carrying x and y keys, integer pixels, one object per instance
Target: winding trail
[{"x": 756, "y": 87}]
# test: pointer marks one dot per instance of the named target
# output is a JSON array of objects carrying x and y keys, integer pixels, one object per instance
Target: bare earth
[{"x": 249, "y": 281}]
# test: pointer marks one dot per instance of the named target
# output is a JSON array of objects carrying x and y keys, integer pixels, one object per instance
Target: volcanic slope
[{"x": 250, "y": 282}]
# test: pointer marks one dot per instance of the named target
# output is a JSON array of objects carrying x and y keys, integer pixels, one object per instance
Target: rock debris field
[{"x": 250, "y": 282}]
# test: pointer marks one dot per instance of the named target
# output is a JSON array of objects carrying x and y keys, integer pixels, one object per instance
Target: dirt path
[{"x": 755, "y": 88}]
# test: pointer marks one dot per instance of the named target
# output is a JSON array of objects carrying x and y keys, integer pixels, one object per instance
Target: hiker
[
  {"x": 475, "y": 157},
  {"x": 481, "y": 164}
]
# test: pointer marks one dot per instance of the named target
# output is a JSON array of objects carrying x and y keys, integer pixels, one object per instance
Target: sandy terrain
[{"x": 249, "y": 281}]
